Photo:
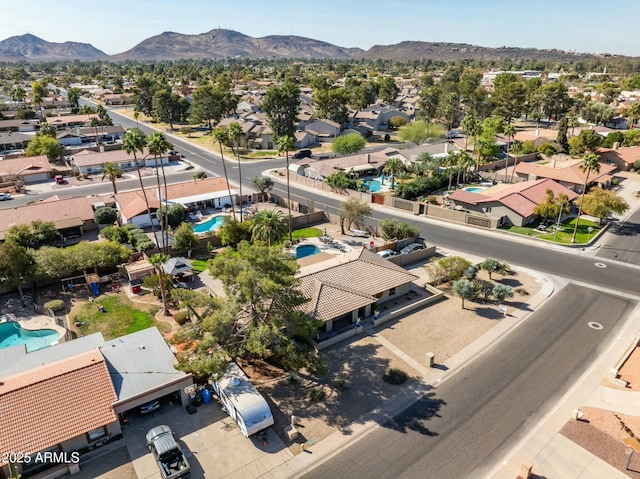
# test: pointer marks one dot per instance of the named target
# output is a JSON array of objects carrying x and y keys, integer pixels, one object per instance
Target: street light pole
[{"x": 558, "y": 223}]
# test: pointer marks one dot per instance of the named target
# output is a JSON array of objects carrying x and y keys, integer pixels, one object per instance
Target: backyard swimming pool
[
  {"x": 12, "y": 334},
  {"x": 372, "y": 185},
  {"x": 209, "y": 225},
  {"x": 305, "y": 250},
  {"x": 474, "y": 189}
]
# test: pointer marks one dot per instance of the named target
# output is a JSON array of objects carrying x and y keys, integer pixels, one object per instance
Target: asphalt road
[
  {"x": 461, "y": 427},
  {"x": 623, "y": 242}
]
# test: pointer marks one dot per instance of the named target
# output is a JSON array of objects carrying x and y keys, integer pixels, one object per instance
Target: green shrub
[
  {"x": 316, "y": 395},
  {"x": 394, "y": 376},
  {"x": 54, "y": 305},
  {"x": 182, "y": 317},
  {"x": 522, "y": 291},
  {"x": 340, "y": 385},
  {"x": 432, "y": 199}
]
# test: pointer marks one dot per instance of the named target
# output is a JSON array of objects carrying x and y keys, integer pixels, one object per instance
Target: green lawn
[
  {"x": 121, "y": 317},
  {"x": 564, "y": 234},
  {"x": 306, "y": 233},
  {"x": 199, "y": 265},
  {"x": 262, "y": 154}
]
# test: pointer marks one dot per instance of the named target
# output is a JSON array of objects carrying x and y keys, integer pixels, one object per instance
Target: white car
[
  {"x": 387, "y": 253},
  {"x": 5, "y": 196},
  {"x": 411, "y": 248}
]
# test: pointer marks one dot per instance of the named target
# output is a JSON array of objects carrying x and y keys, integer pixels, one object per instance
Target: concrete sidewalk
[{"x": 316, "y": 454}]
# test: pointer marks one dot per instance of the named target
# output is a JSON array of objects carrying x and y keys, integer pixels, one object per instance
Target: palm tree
[
  {"x": 471, "y": 126},
  {"x": 158, "y": 146},
  {"x": 516, "y": 148},
  {"x": 573, "y": 122},
  {"x": 269, "y": 226},
  {"x": 634, "y": 114},
  {"x": 112, "y": 171},
  {"x": 392, "y": 167},
  {"x": 509, "y": 131},
  {"x": 235, "y": 134},
  {"x": 222, "y": 137},
  {"x": 590, "y": 162},
  {"x": 157, "y": 260},
  {"x": 451, "y": 160},
  {"x": 285, "y": 144},
  {"x": 95, "y": 123},
  {"x": 136, "y": 115},
  {"x": 133, "y": 141}
]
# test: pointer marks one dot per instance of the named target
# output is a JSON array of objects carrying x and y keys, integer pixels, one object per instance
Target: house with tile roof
[
  {"x": 363, "y": 164},
  {"x": 343, "y": 290},
  {"x": 90, "y": 162},
  {"x": 207, "y": 193},
  {"x": 569, "y": 175},
  {"x": 376, "y": 117},
  {"x": 623, "y": 157},
  {"x": 12, "y": 140},
  {"x": 30, "y": 169},
  {"x": 511, "y": 204},
  {"x": 323, "y": 130}
]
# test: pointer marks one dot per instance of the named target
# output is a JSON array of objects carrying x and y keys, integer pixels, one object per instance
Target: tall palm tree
[
  {"x": 269, "y": 226},
  {"x": 516, "y": 148},
  {"x": 112, "y": 171},
  {"x": 285, "y": 144},
  {"x": 392, "y": 167},
  {"x": 471, "y": 125},
  {"x": 95, "y": 123},
  {"x": 573, "y": 122},
  {"x": 451, "y": 160},
  {"x": 221, "y": 136},
  {"x": 634, "y": 114},
  {"x": 590, "y": 162},
  {"x": 136, "y": 115},
  {"x": 157, "y": 260},
  {"x": 465, "y": 161},
  {"x": 135, "y": 141},
  {"x": 158, "y": 146},
  {"x": 235, "y": 135},
  {"x": 509, "y": 131}
]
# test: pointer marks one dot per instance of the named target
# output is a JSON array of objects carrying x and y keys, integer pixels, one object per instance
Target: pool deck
[{"x": 43, "y": 322}]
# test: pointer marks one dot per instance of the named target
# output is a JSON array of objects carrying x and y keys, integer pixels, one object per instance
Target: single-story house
[
  {"x": 570, "y": 175},
  {"x": 303, "y": 139},
  {"x": 623, "y": 157},
  {"x": 71, "y": 216},
  {"x": 87, "y": 161},
  {"x": 436, "y": 150},
  {"x": 67, "y": 397},
  {"x": 377, "y": 116},
  {"x": 306, "y": 114},
  {"x": 343, "y": 290},
  {"x": 70, "y": 120},
  {"x": 210, "y": 192},
  {"x": 31, "y": 169},
  {"x": 364, "y": 164},
  {"x": 512, "y": 204},
  {"x": 14, "y": 141},
  {"x": 20, "y": 126},
  {"x": 323, "y": 130}
]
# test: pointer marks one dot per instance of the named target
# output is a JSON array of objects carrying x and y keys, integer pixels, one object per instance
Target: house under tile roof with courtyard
[
  {"x": 363, "y": 164},
  {"x": 345, "y": 289},
  {"x": 31, "y": 169},
  {"x": 568, "y": 175},
  {"x": 511, "y": 204},
  {"x": 67, "y": 397}
]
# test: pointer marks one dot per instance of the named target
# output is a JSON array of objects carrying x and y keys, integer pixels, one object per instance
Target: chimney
[{"x": 616, "y": 145}]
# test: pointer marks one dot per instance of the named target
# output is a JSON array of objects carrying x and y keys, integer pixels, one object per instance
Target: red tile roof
[
  {"x": 569, "y": 174},
  {"x": 54, "y": 403},
  {"x": 25, "y": 166},
  {"x": 628, "y": 155}
]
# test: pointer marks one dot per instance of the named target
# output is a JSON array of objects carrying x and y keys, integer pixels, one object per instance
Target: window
[{"x": 392, "y": 291}]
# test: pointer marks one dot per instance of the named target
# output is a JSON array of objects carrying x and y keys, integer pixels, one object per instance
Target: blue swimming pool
[
  {"x": 12, "y": 334},
  {"x": 305, "y": 250},
  {"x": 209, "y": 225},
  {"x": 371, "y": 185},
  {"x": 474, "y": 189}
]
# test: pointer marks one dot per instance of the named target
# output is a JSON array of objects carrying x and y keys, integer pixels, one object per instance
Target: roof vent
[
  {"x": 235, "y": 381},
  {"x": 141, "y": 346}
]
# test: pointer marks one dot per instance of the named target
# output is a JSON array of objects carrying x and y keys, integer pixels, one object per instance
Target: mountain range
[{"x": 220, "y": 43}]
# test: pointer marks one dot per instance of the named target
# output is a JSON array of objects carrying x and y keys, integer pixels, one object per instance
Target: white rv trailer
[{"x": 243, "y": 401}]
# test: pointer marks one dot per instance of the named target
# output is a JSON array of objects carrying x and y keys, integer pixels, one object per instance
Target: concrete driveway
[{"x": 211, "y": 441}]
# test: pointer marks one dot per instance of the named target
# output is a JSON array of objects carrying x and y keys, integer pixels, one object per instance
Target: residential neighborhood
[{"x": 280, "y": 267}]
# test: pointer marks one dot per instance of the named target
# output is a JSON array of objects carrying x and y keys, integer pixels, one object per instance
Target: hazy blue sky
[{"x": 114, "y": 26}]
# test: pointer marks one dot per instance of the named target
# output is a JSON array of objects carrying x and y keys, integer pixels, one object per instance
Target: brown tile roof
[
  {"x": 628, "y": 155},
  {"x": 25, "y": 166},
  {"x": 59, "y": 210},
  {"x": 51, "y": 404},
  {"x": 90, "y": 158},
  {"x": 342, "y": 288},
  {"x": 345, "y": 163},
  {"x": 65, "y": 120},
  {"x": 132, "y": 203},
  {"x": 568, "y": 174}
]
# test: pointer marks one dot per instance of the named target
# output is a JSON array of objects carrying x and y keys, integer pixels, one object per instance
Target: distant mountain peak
[{"x": 29, "y": 47}]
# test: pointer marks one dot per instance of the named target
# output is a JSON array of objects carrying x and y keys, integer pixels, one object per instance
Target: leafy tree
[
  {"x": 563, "y": 143},
  {"x": 612, "y": 138},
  {"x": 590, "y": 162},
  {"x": 221, "y": 136},
  {"x": 602, "y": 203},
  {"x": 269, "y": 226},
  {"x": 393, "y": 167},
  {"x": 420, "y": 131},
  {"x": 508, "y": 96},
  {"x": 233, "y": 232},
  {"x": 184, "y": 238},
  {"x": 44, "y": 145},
  {"x": 114, "y": 233},
  {"x": 554, "y": 99},
  {"x": 353, "y": 211},
  {"x": 598, "y": 113},
  {"x": 331, "y": 103},
  {"x": 25, "y": 114},
  {"x": 285, "y": 144},
  {"x": 280, "y": 104},
  {"x": 210, "y": 103},
  {"x": 144, "y": 92},
  {"x": 387, "y": 88},
  {"x": 34, "y": 235},
  {"x": 174, "y": 215},
  {"x": 46, "y": 129},
  {"x": 105, "y": 216},
  {"x": 490, "y": 265},
  {"x": 502, "y": 292},
  {"x": 396, "y": 122},
  {"x": 168, "y": 107},
  {"x": 73, "y": 95},
  {"x": 393, "y": 229},
  {"x": 38, "y": 91},
  {"x": 428, "y": 101},
  {"x": 547, "y": 149},
  {"x": 340, "y": 180},
  {"x": 552, "y": 205},
  {"x": 348, "y": 144},
  {"x": 464, "y": 289},
  {"x": 263, "y": 183},
  {"x": 16, "y": 266},
  {"x": 361, "y": 96},
  {"x": 113, "y": 172}
]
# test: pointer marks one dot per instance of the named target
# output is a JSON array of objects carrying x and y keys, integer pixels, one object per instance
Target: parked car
[
  {"x": 302, "y": 154},
  {"x": 410, "y": 248},
  {"x": 168, "y": 454},
  {"x": 149, "y": 406},
  {"x": 387, "y": 253},
  {"x": 5, "y": 196}
]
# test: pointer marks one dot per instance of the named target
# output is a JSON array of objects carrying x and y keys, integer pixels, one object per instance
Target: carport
[{"x": 142, "y": 369}]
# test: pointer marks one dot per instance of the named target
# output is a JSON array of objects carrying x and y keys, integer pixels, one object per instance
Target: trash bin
[{"x": 206, "y": 396}]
